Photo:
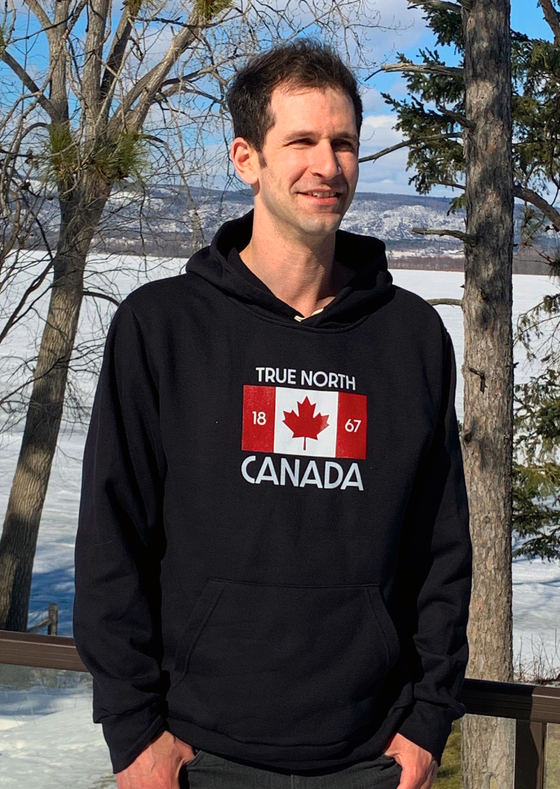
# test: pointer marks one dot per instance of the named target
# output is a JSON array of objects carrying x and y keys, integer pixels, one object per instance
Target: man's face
[{"x": 306, "y": 174}]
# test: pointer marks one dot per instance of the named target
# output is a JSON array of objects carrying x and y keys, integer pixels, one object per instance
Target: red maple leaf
[{"x": 304, "y": 424}]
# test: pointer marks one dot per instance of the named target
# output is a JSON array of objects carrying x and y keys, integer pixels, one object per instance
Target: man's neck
[{"x": 305, "y": 276}]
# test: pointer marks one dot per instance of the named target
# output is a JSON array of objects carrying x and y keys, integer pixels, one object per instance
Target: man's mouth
[{"x": 320, "y": 196}]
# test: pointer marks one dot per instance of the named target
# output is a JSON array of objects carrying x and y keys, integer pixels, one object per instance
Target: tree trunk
[
  {"x": 80, "y": 216},
  {"x": 487, "y": 743}
]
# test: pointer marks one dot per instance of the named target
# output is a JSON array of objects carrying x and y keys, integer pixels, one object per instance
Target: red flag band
[{"x": 304, "y": 422}]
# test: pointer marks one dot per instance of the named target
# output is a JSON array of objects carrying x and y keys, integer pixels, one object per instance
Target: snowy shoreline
[{"x": 47, "y": 737}]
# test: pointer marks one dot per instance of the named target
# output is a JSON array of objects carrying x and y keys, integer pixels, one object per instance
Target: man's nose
[{"x": 325, "y": 162}]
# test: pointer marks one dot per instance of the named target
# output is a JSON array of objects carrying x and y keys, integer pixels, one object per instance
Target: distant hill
[{"x": 169, "y": 225}]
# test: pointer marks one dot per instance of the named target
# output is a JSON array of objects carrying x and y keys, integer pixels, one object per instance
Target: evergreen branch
[
  {"x": 440, "y": 5},
  {"x": 552, "y": 18},
  {"x": 466, "y": 238},
  {"x": 530, "y": 196},
  {"x": 448, "y": 302},
  {"x": 420, "y": 140}
]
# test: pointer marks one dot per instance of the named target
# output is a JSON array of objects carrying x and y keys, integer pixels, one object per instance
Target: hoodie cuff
[
  {"x": 429, "y": 725},
  {"x": 128, "y": 735}
]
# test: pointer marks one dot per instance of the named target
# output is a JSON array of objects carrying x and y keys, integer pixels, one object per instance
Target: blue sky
[
  {"x": 403, "y": 31},
  {"x": 389, "y": 174}
]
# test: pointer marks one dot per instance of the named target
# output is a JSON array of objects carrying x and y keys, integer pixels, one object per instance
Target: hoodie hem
[{"x": 291, "y": 757}]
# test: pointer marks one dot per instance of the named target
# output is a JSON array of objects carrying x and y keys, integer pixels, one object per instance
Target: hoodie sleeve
[
  {"x": 117, "y": 627},
  {"x": 435, "y": 570}
]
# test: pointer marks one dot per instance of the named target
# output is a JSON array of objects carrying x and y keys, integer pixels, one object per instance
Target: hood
[{"x": 370, "y": 286}]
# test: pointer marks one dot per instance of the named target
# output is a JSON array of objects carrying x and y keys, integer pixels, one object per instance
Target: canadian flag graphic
[{"x": 304, "y": 422}]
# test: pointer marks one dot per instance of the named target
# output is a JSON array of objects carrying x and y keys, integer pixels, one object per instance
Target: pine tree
[
  {"x": 433, "y": 121},
  {"x": 536, "y": 470},
  {"x": 457, "y": 127}
]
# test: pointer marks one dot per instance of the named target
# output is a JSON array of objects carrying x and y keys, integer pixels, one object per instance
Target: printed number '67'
[{"x": 352, "y": 425}]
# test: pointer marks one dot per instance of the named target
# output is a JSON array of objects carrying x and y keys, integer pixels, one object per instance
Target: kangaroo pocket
[{"x": 283, "y": 664}]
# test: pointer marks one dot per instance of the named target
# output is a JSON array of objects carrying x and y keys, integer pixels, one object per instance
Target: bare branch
[
  {"x": 93, "y": 53},
  {"x": 98, "y": 295},
  {"x": 148, "y": 86},
  {"x": 164, "y": 20},
  {"x": 452, "y": 185},
  {"x": 530, "y": 196},
  {"x": 448, "y": 302},
  {"x": 116, "y": 56},
  {"x": 202, "y": 72},
  {"x": 76, "y": 13},
  {"x": 481, "y": 374},
  {"x": 464, "y": 237},
  {"x": 17, "y": 314},
  {"x": 450, "y": 71},
  {"x": 553, "y": 19},
  {"x": 29, "y": 83},
  {"x": 458, "y": 117},
  {"x": 184, "y": 87},
  {"x": 36, "y": 8},
  {"x": 57, "y": 38},
  {"x": 441, "y": 5},
  {"x": 406, "y": 143}
]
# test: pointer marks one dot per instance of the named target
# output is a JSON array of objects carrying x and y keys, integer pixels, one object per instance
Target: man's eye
[{"x": 345, "y": 145}]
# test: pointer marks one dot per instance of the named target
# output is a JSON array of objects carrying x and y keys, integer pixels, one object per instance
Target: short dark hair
[{"x": 302, "y": 63}]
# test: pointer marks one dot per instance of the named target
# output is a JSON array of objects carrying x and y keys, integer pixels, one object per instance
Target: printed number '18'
[{"x": 259, "y": 418}]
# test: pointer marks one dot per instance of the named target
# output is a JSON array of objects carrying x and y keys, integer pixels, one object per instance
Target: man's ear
[{"x": 245, "y": 160}]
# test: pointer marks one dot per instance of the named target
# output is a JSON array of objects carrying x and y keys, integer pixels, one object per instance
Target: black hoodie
[{"x": 273, "y": 557}]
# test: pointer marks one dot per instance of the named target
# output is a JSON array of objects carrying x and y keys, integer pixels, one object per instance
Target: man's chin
[{"x": 322, "y": 225}]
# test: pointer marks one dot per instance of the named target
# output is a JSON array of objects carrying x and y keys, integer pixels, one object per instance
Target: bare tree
[
  {"x": 115, "y": 87},
  {"x": 25, "y": 253}
]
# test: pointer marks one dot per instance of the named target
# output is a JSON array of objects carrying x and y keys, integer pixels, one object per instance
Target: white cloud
[
  {"x": 388, "y": 174},
  {"x": 372, "y": 100},
  {"x": 377, "y": 133},
  {"x": 399, "y": 28}
]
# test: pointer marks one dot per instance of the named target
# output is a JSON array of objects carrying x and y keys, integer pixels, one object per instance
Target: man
[{"x": 273, "y": 558}]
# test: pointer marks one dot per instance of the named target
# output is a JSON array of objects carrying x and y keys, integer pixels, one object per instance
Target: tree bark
[
  {"x": 487, "y": 743},
  {"x": 82, "y": 201},
  {"x": 80, "y": 216}
]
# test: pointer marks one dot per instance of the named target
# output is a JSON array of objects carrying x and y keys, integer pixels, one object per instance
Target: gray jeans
[{"x": 209, "y": 771}]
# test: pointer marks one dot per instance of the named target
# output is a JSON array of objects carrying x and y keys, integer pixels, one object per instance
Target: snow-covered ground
[
  {"x": 47, "y": 738},
  {"x": 536, "y": 583}
]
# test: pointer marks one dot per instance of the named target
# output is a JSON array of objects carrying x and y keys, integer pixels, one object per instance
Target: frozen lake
[
  {"x": 537, "y": 597},
  {"x": 31, "y": 723}
]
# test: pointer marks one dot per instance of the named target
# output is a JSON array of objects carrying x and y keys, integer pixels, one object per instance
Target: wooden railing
[{"x": 531, "y": 706}]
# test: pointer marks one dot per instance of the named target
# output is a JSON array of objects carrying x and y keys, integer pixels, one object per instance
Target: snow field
[{"x": 47, "y": 738}]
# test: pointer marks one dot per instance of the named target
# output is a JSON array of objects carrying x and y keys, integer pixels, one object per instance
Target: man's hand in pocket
[{"x": 158, "y": 765}]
